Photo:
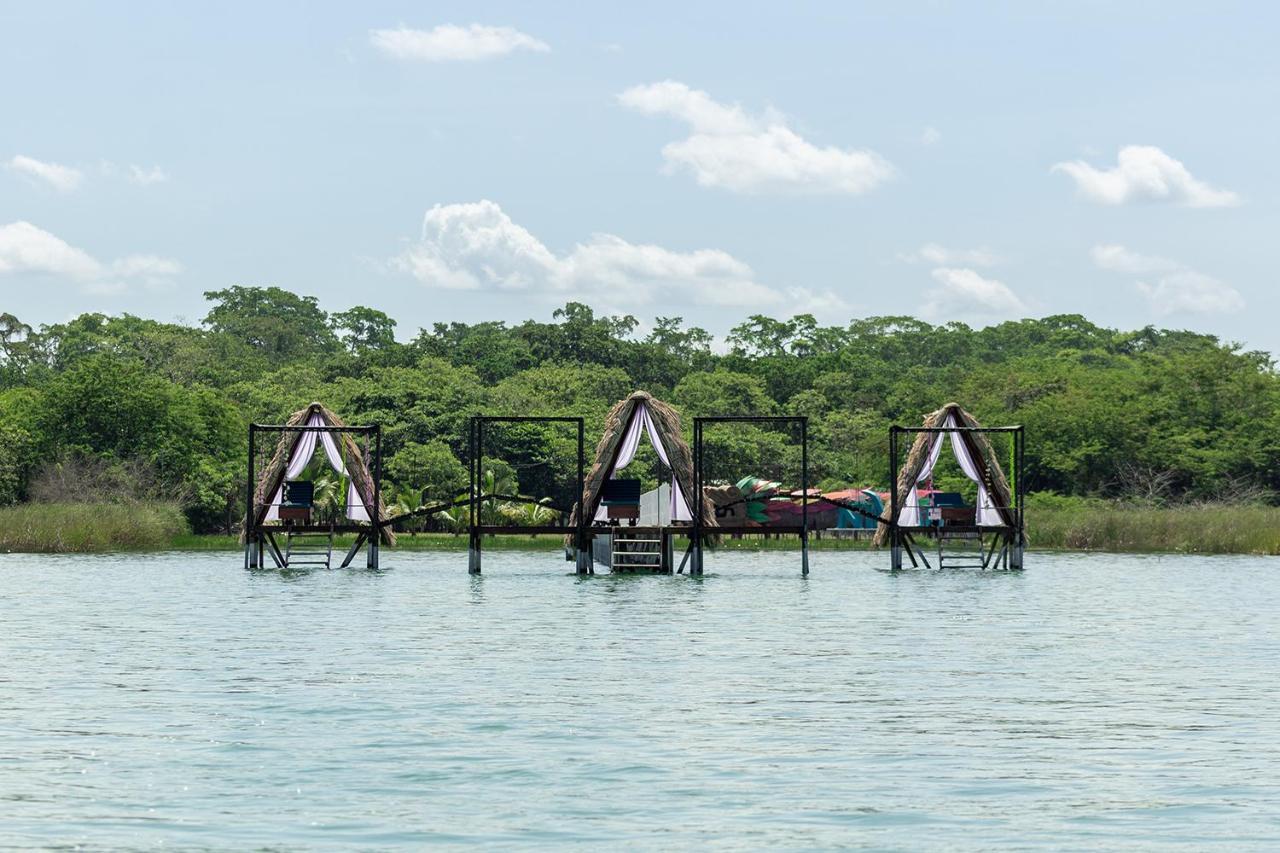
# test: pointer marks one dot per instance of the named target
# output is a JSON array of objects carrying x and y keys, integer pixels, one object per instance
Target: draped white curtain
[
  {"x": 302, "y": 453},
  {"x": 642, "y": 423},
  {"x": 987, "y": 513}
]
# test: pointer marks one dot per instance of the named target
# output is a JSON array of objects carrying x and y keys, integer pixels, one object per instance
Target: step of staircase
[
  {"x": 963, "y": 549},
  {"x": 636, "y": 554},
  {"x": 308, "y": 548}
]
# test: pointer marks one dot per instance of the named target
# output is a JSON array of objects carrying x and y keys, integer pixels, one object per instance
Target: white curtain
[
  {"x": 302, "y": 453},
  {"x": 909, "y": 515},
  {"x": 642, "y": 423},
  {"x": 987, "y": 513}
]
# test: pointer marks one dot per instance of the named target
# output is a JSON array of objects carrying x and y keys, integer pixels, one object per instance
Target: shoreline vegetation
[
  {"x": 120, "y": 433},
  {"x": 1054, "y": 523},
  {"x": 66, "y": 528}
]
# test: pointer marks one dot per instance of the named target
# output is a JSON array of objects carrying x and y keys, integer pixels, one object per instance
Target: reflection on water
[{"x": 1089, "y": 701}]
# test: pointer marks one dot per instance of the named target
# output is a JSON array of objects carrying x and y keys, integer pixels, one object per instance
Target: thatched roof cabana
[
  {"x": 665, "y": 423},
  {"x": 924, "y": 452},
  {"x": 273, "y": 474}
]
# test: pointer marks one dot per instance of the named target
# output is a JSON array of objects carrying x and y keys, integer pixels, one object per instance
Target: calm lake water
[{"x": 1091, "y": 701}]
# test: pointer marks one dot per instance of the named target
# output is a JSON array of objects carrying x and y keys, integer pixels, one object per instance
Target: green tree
[
  {"x": 273, "y": 321},
  {"x": 430, "y": 470},
  {"x": 17, "y": 352},
  {"x": 113, "y": 408},
  {"x": 723, "y": 392},
  {"x": 363, "y": 330}
]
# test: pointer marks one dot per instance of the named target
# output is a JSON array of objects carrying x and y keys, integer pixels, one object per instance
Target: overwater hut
[
  {"x": 997, "y": 512},
  {"x": 280, "y": 503},
  {"x": 639, "y": 417}
]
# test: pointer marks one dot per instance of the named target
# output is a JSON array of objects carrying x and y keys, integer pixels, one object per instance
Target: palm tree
[
  {"x": 529, "y": 514},
  {"x": 454, "y": 520},
  {"x": 491, "y": 484},
  {"x": 329, "y": 495},
  {"x": 404, "y": 500}
]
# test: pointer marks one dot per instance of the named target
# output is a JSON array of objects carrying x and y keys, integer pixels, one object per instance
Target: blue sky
[{"x": 478, "y": 161}]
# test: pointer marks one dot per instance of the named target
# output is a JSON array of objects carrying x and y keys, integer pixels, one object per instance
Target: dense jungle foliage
[{"x": 118, "y": 408}]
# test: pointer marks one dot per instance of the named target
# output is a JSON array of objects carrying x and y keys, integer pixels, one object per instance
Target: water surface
[{"x": 179, "y": 700}]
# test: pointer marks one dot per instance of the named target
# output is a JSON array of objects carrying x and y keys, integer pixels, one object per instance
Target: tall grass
[
  {"x": 1052, "y": 523},
  {"x": 86, "y": 527},
  {"x": 1096, "y": 525},
  {"x": 404, "y": 542}
]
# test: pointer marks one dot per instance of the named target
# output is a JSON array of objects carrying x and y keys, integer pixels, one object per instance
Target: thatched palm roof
[
  {"x": 273, "y": 474},
  {"x": 667, "y": 422},
  {"x": 979, "y": 449}
]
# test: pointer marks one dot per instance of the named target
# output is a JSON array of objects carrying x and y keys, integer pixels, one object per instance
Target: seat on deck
[
  {"x": 959, "y": 515},
  {"x": 299, "y": 498},
  {"x": 621, "y": 499}
]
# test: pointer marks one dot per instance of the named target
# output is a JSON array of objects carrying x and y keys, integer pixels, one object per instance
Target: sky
[{"x": 491, "y": 161}]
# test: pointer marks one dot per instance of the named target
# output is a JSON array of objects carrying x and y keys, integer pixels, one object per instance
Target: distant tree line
[{"x": 1106, "y": 411}]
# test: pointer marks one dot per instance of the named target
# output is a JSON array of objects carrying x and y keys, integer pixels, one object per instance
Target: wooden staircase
[
  {"x": 636, "y": 553},
  {"x": 960, "y": 549},
  {"x": 309, "y": 551}
]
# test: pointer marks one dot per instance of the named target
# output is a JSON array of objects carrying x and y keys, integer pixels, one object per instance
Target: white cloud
[
  {"x": 149, "y": 266},
  {"x": 451, "y": 43},
  {"x": 135, "y": 174},
  {"x": 1145, "y": 173},
  {"x": 25, "y": 248},
  {"x": 965, "y": 293},
  {"x": 476, "y": 246},
  {"x": 146, "y": 177},
  {"x": 731, "y": 149},
  {"x": 930, "y": 136},
  {"x": 1119, "y": 259},
  {"x": 1190, "y": 292},
  {"x": 932, "y": 253},
  {"x": 62, "y": 178},
  {"x": 473, "y": 246},
  {"x": 1176, "y": 289}
]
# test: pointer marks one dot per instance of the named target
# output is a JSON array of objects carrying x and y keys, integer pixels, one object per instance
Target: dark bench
[
  {"x": 960, "y": 515},
  {"x": 299, "y": 498},
  {"x": 621, "y": 499}
]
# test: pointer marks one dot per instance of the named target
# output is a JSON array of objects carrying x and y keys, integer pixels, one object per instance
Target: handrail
[{"x": 424, "y": 511}]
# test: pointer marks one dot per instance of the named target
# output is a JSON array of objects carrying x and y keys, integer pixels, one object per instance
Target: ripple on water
[{"x": 1089, "y": 701}]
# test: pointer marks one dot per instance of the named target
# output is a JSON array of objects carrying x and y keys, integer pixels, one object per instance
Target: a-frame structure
[
  {"x": 642, "y": 417},
  {"x": 998, "y": 513},
  {"x": 296, "y": 442}
]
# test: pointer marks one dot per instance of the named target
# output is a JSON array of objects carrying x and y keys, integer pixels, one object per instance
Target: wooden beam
[{"x": 355, "y": 549}]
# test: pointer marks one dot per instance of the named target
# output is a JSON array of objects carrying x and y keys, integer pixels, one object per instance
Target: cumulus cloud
[
  {"x": 1172, "y": 288},
  {"x": 1145, "y": 173},
  {"x": 146, "y": 177},
  {"x": 731, "y": 149},
  {"x": 930, "y": 136},
  {"x": 133, "y": 173},
  {"x": 25, "y": 248},
  {"x": 62, "y": 178},
  {"x": 148, "y": 266},
  {"x": 965, "y": 293},
  {"x": 932, "y": 253},
  {"x": 451, "y": 43},
  {"x": 476, "y": 246},
  {"x": 1117, "y": 258},
  {"x": 1190, "y": 292}
]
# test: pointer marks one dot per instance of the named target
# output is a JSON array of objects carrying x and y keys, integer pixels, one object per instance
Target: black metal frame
[
  {"x": 1015, "y": 536},
  {"x": 698, "y": 522},
  {"x": 259, "y": 536},
  {"x": 475, "y": 530}
]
